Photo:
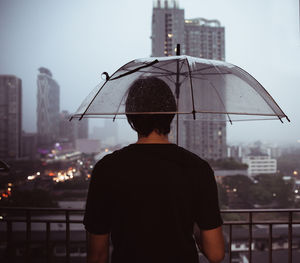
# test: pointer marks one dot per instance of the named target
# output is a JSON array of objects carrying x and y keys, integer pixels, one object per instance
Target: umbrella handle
[{"x": 107, "y": 77}]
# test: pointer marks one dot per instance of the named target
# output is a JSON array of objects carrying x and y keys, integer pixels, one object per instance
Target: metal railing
[
  {"x": 251, "y": 217},
  {"x": 21, "y": 228}
]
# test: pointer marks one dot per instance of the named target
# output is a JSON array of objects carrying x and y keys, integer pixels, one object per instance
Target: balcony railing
[{"x": 57, "y": 235}]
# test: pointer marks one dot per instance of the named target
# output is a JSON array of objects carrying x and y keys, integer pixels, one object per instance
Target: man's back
[{"x": 148, "y": 196}]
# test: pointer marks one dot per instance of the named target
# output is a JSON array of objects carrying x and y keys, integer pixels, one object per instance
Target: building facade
[
  {"x": 167, "y": 28},
  {"x": 29, "y": 145},
  {"x": 69, "y": 131},
  {"x": 199, "y": 38},
  {"x": 204, "y": 38},
  {"x": 260, "y": 164},
  {"x": 47, "y": 108},
  {"x": 10, "y": 117}
]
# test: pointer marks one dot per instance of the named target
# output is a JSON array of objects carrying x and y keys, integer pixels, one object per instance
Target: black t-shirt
[{"x": 148, "y": 196}]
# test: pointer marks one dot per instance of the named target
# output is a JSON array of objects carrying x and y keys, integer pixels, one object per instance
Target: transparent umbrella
[{"x": 204, "y": 89}]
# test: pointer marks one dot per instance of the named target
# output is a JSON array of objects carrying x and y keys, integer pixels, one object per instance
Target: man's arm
[
  {"x": 98, "y": 248},
  {"x": 211, "y": 243}
]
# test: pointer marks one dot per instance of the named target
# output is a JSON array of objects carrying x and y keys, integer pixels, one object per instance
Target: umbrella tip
[
  {"x": 288, "y": 118},
  {"x": 280, "y": 119},
  {"x": 194, "y": 114}
]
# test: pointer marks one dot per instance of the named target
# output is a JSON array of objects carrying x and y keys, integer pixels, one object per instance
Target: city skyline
[{"x": 86, "y": 39}]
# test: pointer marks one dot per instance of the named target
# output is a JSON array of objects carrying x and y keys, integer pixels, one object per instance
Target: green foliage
[
  {"x": 272, "y": 188},
  {"x": 264, "y": 190}
]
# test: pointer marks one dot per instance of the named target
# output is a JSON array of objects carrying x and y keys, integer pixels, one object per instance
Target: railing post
[
  {"x": 9, "y": 241},
  {"x": 48, "y": 253},
  {"x": 250, "y": 237},
  {"x": 270, "y": 243},
  {"x": 230, "y": 242},
  {"x": 290, "y": 237},
  {"x": 28, "y": 235},
  {"x": 67, "y": 236},
  {"x": 87, "y": 242}
]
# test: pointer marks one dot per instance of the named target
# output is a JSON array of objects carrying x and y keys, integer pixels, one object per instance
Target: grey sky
[{"x": 79, "y": 39}]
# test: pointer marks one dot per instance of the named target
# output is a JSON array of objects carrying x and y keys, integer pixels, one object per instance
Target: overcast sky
[{"x": 79, "y": 39}]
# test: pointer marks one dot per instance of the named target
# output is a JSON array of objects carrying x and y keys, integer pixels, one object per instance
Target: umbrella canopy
[{"x": 204, "y": 89}]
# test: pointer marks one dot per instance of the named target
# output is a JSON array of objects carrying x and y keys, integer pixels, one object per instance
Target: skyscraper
[
  {"x": 10, "y": 117},
  {"x": 47, "y": 108},
  {"x": 198, "y": 37},
  {"x": 167, "y": 28},
  {"x": 204, "y": 38}
]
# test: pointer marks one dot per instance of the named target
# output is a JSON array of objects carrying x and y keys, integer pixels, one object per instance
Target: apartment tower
[
  {"x": 10, "y": 117},
  {"x": 198, "y": 37},
  {"x": 47, "y": 108}
]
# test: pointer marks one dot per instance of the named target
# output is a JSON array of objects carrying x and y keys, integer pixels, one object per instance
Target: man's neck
[{"x": 153, "y": 137}]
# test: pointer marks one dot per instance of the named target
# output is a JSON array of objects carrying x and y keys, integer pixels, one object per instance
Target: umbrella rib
[
  {"x": 157, "y": 72},
  {"x": 172, "y": 112},
  {"x": 92, "y": 101},
  {"x": 220, "y": 100},
  {"x": 246, "y": 73},
  {"x": 135, "y": 70},
  {"x": 205, "y": 68},
  {"x": 163, "y": 69},
  {"x": 208, "y": 74},
  {"x": 192, "y": 90},
  {"x": 220, "y": 73}
]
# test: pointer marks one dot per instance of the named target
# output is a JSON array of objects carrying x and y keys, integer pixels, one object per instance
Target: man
[{"x": 149, "y": 195}]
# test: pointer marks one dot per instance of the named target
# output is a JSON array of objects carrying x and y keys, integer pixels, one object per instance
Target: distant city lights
[{"x": 31, "y": 177}]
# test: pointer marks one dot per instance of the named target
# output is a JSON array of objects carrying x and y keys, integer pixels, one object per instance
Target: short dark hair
[{"x": 150, "y": 94}]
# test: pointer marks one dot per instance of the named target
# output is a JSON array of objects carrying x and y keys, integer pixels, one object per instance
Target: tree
[{"x": 272, "y": 189}]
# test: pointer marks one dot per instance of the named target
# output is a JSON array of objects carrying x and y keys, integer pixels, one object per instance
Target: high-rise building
[
  {"x": 198, "y": 37},
  {"x": 69, "y": 131},
  {"x": 47, "y": 108},
  {"x": 204, "y": 38},
  {"x": 167, "y": 27},
  {"x": 10, "y": 117},
  {"x": 29, "y": 145},
  {"x": 82, "y": 129}
]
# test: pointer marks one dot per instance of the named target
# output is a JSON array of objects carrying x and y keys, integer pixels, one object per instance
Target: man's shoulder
[
  {"x": 169, "y": 152},
  {"x": 112, "y": 156},
  {"x": 192, "y": 157}
]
